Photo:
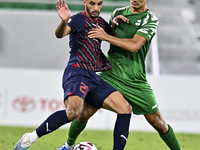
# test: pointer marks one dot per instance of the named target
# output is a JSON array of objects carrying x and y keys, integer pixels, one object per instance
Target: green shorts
[{"x": 139, "y": 95}]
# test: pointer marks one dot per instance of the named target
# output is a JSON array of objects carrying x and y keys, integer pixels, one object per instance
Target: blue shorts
[{"x": 86, "y": 84}]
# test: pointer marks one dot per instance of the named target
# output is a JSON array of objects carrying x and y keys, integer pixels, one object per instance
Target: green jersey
[
  {"x": 127, "y": 72},
  {"x": 131, "y": 66}
]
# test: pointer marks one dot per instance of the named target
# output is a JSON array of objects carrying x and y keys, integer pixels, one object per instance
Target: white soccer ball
[{"x": 85, "y": 146}]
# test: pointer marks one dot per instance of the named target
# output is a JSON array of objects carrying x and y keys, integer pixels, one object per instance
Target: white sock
[
  {"x": 33, "y": 136},
  {"x": 69, "y": 147},
  {"x": 66, "y": 145}
]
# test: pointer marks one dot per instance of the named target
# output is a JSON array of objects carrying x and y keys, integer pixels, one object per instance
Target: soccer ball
[{"x": 85, "y": 146}]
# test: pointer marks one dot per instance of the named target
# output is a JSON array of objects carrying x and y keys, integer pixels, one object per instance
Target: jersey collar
[{"x": 89, "y": 16}]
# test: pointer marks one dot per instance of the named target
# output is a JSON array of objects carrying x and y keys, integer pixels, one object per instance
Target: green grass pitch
[{"x": 102, "y": 139}]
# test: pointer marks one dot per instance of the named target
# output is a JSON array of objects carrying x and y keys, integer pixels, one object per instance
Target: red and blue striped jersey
[{"x": 85, "y": 52}]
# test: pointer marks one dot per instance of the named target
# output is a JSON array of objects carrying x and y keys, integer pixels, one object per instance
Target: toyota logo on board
[{"x": 24, "y": 104}]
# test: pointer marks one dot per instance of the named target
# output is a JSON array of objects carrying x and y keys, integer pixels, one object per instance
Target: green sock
[
  {"x": 75, "y": 129},
  {"x": 170, "y": 139}
]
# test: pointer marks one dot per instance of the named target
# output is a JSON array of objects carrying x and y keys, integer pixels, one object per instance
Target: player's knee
[
  {"x": 73, "y": 113},
  {"x": 74, "y": 105},
  {"x": 125, "y": 109},
  {"x": 128, "y": 108}
]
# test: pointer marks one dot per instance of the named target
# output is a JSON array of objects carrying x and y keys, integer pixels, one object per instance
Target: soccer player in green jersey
[{"x": 134, "y": 27}]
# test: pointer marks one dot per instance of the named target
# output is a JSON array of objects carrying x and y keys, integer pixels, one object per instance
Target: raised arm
[{"x": 64, "y": 13}]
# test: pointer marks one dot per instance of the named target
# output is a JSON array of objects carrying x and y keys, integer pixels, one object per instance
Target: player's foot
[
  {"x": 24, "y": 143},
  {"x": 66, "y": 147}
]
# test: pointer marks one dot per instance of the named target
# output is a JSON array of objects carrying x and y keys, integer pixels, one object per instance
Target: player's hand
[
  {"x": 98, "y": 33},
  {"x": 117, "y": 20},
  {"x": 63, "y": 10}
]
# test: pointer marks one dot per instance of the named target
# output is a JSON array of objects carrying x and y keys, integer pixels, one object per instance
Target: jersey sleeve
[
  {"x": 77, "y": 23},
  {"x": 113, "y": 15},
  {"x": 149, "y": 27}
]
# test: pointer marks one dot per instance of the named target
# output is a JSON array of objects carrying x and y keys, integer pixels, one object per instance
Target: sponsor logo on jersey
[{"x": 138, "y": 22}]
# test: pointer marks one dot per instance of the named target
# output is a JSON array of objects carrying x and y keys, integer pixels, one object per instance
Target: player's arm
[
  {"x": 64, "y": 13},
  {"x": 63, "y": 29},
  {"x": 130, "y": 44}
]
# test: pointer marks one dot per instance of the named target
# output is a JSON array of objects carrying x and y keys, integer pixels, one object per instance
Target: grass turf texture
[{"x": 102, "y": 139}]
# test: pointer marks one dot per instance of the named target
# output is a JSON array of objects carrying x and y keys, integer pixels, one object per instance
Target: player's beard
[{"x": 91, "y": 13}]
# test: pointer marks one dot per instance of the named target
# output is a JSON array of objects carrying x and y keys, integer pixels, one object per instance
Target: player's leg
[
  {"x": 77, "y": 126},
  {"x": 115, "y": 102},
  {"x": 79, "y": 123},
  {"x": 107, "y": 97},
  {"x": 165, "y": 131},
  {"x": 74, "y": 105}
]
